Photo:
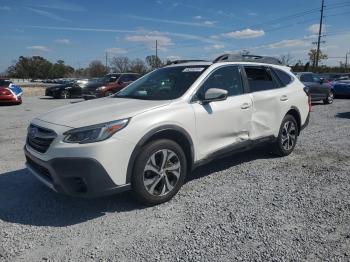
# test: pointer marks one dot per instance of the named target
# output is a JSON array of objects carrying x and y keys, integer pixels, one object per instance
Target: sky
[{"x": 79, "y": 31}]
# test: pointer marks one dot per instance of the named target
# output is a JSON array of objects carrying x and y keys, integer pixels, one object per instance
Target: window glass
[
  {"x": 163, "y": 84},
  {"x": 284, "y": 77},
  {"x": 306, "y": 78},
  {"x": 133, "y": 77},
  {"x": 316, "y": 79},
  {"x": 227, "y": 78},
  {"x": 259, "y": 79}
]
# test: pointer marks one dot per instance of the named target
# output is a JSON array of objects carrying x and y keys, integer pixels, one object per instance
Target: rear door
[
  {"x": 221, "y": 125},
  {"x": 270, "y": 101}
]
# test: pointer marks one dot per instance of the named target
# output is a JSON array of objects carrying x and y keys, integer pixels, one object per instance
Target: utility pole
[
  {"x": 106, "y": 61},
  {"x": 157, "y": 53},
  {"x": 346, "y": 60},
  {"x": 319, "y": 36}
]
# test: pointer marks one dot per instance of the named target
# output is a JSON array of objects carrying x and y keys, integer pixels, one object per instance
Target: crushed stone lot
[{"x": 248, "y": 206}]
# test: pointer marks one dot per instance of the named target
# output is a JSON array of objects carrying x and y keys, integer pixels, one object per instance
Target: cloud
[
  {"x": 215, "y": 47},
  {"x": 116, "y": 51},
  {"x": 63, "y": 6},
  {"x": 209, "y": 22},
  {"x": 175, "y": 22},
  {"x": 107, "y": 30},
  {"x": 63, "y": 41},
  {"x": 40, "y": 48},
  {"x": 315, "y": 28},
  {"x": 246, "y": 33},
  {"x": 48, "y": 14},
  {"x": 289, "y": 43},
  {"x": 150, "y": 40},
  {"x": 173, "y": 57},
  {"x": 5, "y": 8},
  {"x": 197, "y": 17}
]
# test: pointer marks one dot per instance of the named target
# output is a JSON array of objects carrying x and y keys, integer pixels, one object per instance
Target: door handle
[
  {"x": 284, "y": 98},
  {"x": 245, "y": 106}
]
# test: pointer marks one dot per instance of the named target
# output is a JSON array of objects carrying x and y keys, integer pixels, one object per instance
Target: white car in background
[{"x": 152, "y": 133}]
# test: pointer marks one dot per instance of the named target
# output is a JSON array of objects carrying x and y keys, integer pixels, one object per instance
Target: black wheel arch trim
[
  {"x": 146, "y": 138},
  {"x": 298, "y": 111}
]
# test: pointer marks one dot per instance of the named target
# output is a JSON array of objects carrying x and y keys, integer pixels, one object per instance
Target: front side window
[
  {"x": 259, "y": 79},
  {"x": 163, "y": 84},
  {"x": 227, "y": 78}
]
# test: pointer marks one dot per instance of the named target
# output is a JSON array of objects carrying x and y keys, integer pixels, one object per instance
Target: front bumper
[{"x": 83, "y": 177}]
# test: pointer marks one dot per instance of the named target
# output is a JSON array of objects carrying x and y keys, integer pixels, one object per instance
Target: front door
[{"x": 222, "y": 124}]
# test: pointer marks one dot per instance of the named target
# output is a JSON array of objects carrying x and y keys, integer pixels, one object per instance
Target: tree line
[{"x": 37, "y": 67}]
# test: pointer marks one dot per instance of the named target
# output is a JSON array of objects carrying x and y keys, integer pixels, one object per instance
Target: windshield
[{"x": 163, "y": 84}]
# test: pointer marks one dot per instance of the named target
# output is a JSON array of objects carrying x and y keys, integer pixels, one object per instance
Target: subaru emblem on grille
[{"x": 33, "y": 132}]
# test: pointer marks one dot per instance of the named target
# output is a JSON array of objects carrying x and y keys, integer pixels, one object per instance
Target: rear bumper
[
  {"x": 10, "y": 100},
  {"x": 83, "y": 177}
]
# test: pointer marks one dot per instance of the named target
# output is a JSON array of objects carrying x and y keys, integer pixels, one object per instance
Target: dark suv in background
[
  {"x": 318, "y": 88},
  {"x": 110, "y": 84}
]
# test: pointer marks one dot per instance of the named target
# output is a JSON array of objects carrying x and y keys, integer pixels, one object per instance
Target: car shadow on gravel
[
  {"x": 343, "y": 115},
  {"x": 24, "y": 200},
  {"x": 220, "y": 164}
]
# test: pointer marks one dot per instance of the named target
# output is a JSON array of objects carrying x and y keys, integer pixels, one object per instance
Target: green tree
[
  {"x": 138, "y": 66},
  {"x": 153, "y": 61},
  {"x": 120, "y": 64},
  {"x": 97, "y": 69},
  {"x": 313, "y": 54}
]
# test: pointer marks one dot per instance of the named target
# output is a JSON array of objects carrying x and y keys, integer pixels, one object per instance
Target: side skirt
[{"x": 234, "y": 148}]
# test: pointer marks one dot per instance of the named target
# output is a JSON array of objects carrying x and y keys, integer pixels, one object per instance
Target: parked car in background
[
  {"x": 69, "y": 89},
  {"x": 152, "y": 133},
  {"x": 110, "y": 84},
  {"x": 10, "y": 93},
  {"x": 341, "y": 88},
  {"x": 317, "y": 87}
]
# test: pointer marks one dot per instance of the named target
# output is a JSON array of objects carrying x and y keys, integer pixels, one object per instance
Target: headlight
[
  {"x": 100, "y": 88},
  {"x": 95, "y": 133}
]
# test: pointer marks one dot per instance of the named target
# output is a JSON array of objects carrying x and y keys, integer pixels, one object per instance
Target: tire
[
  {"x": 329, "y": 99},
  {"x": 287, "y": 137},
  {"x": 151, "y": 182},
  {"x": 64, "y": 94}
]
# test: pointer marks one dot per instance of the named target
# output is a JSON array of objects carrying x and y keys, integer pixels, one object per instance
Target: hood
[{"x": 98, "y": 111}]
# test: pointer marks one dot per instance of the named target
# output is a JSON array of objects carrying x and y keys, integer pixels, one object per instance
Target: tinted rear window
[{"x": 285, "y": 78}]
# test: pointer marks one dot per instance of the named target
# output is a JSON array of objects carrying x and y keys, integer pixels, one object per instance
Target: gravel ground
[{"x": 249, "y": 206}]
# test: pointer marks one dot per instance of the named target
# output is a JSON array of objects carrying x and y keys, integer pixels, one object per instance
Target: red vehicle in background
[
  {"x": 110, "y": 84},
  {"x": 9, "y": 93}
]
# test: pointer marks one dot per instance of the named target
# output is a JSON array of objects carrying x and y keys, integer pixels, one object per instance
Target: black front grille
[{"x": 40, "y": 138}]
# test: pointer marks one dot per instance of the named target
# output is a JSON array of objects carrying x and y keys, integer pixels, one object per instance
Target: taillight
[{"x": 5, "y": 92}]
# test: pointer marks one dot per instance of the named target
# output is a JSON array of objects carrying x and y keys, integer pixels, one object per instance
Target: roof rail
[
  {"x": 247, "y": 58},
  {"x": 185, "y": 61}
]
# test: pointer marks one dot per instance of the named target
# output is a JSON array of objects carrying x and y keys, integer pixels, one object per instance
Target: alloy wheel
[
  {"x": 162, "y": 172},
  {"x": 330, "y": 97},
  {"x": 289, "y": 135}
]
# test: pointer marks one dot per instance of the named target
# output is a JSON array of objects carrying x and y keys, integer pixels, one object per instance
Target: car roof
[
  {"x": 230, "y": 63},
  {"x": 191, "y": 64}
]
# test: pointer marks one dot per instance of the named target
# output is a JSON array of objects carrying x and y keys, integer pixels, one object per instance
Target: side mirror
[{"x": 214, "y": 94}]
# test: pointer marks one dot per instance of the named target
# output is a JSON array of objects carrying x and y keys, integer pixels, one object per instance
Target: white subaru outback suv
[{"x": 152, "y": 133}]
